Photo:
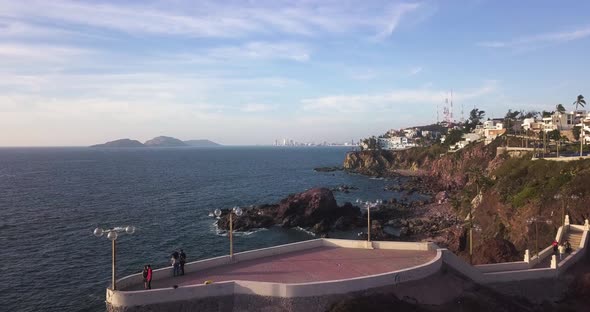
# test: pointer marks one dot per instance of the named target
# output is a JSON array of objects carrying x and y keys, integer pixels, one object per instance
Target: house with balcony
[
  {"x": 490, "y": 130},
  {"x": 395, "y": 143}
]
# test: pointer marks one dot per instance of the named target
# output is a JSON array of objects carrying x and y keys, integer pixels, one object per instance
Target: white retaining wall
[
  {"x": 185, "y": 293},
  {"x": 505, "y": 266}
]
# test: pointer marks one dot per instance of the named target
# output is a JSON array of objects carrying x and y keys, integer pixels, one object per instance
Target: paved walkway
[{"x": 312, "y": 265}]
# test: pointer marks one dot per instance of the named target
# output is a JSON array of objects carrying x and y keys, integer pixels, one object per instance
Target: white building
[{"x": 394, "y": 143}]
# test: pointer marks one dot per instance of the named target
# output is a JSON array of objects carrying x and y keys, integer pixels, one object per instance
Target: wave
[
  {"x": 220, "y": 232},
  {"x": 298, "y": 228}
]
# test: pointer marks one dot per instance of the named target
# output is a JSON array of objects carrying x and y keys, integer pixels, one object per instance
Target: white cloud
[
  {"x": 257, "y": 108},
  {"x": 397, "y": 13},
  {"x": 39, "y": 52},
  {"x": 262, "y": 50},
  {"x": 416, "y": 70},
  {"x": 367, "y": 74},
  {"x": 553, "y": 37},
  {"x": 218, "y": 19},
  {"x": 389, "y": 101}
]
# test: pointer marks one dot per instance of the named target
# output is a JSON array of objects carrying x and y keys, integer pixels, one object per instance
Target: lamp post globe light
[
  {"x": 112, "y": 235},
  {"x": 565, "y": 198},
  {"x": 238, "y": 212},
  {"x": 368, "y": 205}
]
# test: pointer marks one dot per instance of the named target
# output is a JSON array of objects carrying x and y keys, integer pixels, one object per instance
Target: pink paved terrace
[{"x": 312, "y": 265}]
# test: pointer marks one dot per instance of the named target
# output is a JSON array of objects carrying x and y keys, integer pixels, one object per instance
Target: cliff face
[
  {"x": 385, "y": 163},
  {"x": 450, "y": 171},
  {"x": 513, "y": 190}
]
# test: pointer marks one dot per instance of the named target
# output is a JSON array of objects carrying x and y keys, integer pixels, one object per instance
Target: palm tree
[{"x": 579, "y": 101}]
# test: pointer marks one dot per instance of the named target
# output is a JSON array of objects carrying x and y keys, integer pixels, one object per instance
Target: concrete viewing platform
[
  {"x": 312, "y": 265},
  {"x": 311, "y": 275}
]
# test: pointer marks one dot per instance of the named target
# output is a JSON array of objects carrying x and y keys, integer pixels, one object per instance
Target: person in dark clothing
[
  {"x": 145, "y": 276},
  {"x": 149, "y": 276},
  {"x": 182, "y": 261},
  {"x": 568, "y": 246},
  {"x": 555, "y": 244}
]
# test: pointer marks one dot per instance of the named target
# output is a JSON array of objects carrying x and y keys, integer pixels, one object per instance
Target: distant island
[
  {"x": 161, "y": 141},
  {"x": 121, "y": 143},
  {"x": 164, "y": 141}
]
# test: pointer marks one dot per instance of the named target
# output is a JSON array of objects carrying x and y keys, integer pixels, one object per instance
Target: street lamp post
[
  {"x": 113, "y": 234},
  {"x": 536, "y": 221},
  {"x": 238, "y": 211},
  {"x": 563, "y": 200},
  {"x": 368, "y": 205}
]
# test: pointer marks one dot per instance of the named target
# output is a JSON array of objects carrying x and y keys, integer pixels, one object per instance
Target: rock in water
[
  {"x": 315, "y": 209},
  {"x": 311, "y": 207}
]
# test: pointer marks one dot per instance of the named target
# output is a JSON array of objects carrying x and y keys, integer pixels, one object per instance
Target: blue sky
[{"x": 250, "y": 72}]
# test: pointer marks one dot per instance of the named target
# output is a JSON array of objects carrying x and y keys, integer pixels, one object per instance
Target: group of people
[
  {"x": 178, "y": 259},
  {"x": 562, "y": 248},
  {"x": 147, "y": 276}
]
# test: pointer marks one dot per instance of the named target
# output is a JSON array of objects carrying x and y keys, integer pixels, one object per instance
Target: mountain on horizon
[
  {"x": 164, "y": 141},
  {"x": 160, "y": 141},
  {"x": 120, "y": 143}
]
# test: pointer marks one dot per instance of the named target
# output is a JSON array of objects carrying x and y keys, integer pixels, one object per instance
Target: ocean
[{"x": 51, "y": 199}]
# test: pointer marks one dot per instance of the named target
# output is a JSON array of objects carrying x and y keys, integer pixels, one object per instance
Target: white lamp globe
[
  {"x": 130, "y": 229},
  {"x": 98, "y": 232},
  {"x": 217, "y": 212},
  {"x": 112, "y": 235},
  {"x": 238, "y": 211}
]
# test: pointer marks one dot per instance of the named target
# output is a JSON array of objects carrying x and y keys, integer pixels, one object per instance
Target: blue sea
[{"x": 51, "y": 199}]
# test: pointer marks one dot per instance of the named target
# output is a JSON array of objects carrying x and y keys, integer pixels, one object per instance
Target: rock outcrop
[{"x": 315, "y": 209}]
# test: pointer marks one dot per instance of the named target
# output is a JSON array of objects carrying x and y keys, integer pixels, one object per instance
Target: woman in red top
[{"x": 149, "y": 277}]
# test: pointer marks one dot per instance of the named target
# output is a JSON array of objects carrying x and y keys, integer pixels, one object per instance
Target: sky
[{"x": 75, "y": 73}]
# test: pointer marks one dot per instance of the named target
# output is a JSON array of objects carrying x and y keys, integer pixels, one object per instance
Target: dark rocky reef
[
  {"x": 315, "y": 209},
  {"x": 328, "y": 169}
]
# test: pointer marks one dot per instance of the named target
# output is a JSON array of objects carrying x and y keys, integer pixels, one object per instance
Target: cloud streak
[
  {"x": 215, "y": 19},
  {"x": 545, "y": 38},
  {"x": 391, "y": 101}
]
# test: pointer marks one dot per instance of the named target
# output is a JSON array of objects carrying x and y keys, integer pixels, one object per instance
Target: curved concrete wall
[{"x": 185, "y": 293}]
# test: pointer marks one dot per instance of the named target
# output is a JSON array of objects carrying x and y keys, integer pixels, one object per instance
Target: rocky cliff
[{"x": 511, "y": 190}]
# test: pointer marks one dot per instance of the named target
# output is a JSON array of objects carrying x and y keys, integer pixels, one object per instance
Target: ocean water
[{"x": 51, "y": 199}]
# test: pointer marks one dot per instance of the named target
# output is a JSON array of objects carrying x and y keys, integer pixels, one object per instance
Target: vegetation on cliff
[{"x": 512, "y": 191}]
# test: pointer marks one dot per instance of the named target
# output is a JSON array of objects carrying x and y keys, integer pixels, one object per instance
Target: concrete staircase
[{"x": 574, "y": 236}]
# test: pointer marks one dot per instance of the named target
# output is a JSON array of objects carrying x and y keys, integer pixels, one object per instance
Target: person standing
[
  {"x": 561, "y": 251},
  {"x": 149, "y": 276},
  {"x": 175, "y": 263},
  {"x": 182, "y": 261},
  {"x": 555, "y": 245},
  {"x": 568, "y": 246},
  {"x": 145, "y": 276}
]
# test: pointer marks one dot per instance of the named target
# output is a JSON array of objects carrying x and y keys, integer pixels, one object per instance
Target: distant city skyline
[{"x": 77, "y": 73}]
